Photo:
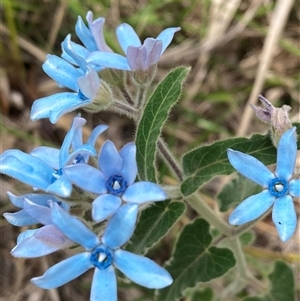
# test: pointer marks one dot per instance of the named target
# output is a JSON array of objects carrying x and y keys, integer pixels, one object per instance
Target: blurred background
[{"x": 237, "y": 49}]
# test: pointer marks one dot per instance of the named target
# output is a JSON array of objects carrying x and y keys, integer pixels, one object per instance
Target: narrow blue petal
[
  {"x": 166, "y": 36},
  {"x": 129, "y": 168},
  {"x": 61, "y": 187},
  {"x": 104, "y": 206},
  {"x": 61, "y": 71},
  {"x": 142, "y": 270},
  {"x": 284, "y": 217},
  {"x": 250, "y": 167},
  {"x": 32, "y": 247},
  {"x": 104, "y": 285},
  {"x": 85, "y": 150},
  {"x": 127, "y": 37},
  {"x": 78, "y": 49},
  {"x": 77, "y": 123},
  {"x": 97, "y": 131},
  {"x": 108, "y": 60},
  {"x": 86, "y": 177},
  {"x": 109, "y": 161},
  {"x": 64, "y": 271},
  {"x": 20, "y": 219},
  {"x": 251, "y": 208},
  {"x": 77, "y": 136},
  {"x": 89, "y": 84},
  {"x": 66, "y": 45},
  {"x": 73, "y": 228},
  {"x": 26, "y": 168},
  {"x": 40, "y": 213},
  {"x": 49, "y": 155},
  {"x": 16, "y": 200},
  {"x": 142, "y": 192},
  {"x": 56, "y": 105},
  {"x": 121, "y": 226},
  {"x": 294, "y": 187},
  {"x": 286, "y": 154},
  {"x": 85, "y": 35},
  {"x": 25, "y": 234}
]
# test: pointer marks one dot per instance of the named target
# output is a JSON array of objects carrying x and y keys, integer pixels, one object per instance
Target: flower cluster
[{"x": 67, "y": 178}]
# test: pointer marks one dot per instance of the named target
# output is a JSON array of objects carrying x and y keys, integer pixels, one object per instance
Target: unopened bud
[
  {"x": 277, "y": 118},
  {"x": 101, "y": 100}
]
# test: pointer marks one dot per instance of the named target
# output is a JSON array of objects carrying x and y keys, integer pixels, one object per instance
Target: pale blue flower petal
[
  {"x": 295, "y": 188},
  {"x": 85, "y": 35},
  {"x": 284, "y": 217},
  {"x": 49, "y": 155},
  {"x": 85, "y": 150},
  {"x": 109, "y": 161},
  {"x": 137, "y": 58},
  {"x": 250, "y": 167},
  {"x": 20, "y": 219},
  {"x": 108, "y": 60},
  {"x": 127, "y": 37},
  {"x": 286, "y": 154},
  {"x": 166, "y": 36},
  {"x": 86, "y": 177},
  {"x": 142, "y": 192},
  {"x": 97, "y": 131},
  {"x": 121, "y": 226},
  {"x": 56, "y": 105},
  {"x": 64, "y": 271},
  {"x": 61, "y": 71},
  {"x": 129, "y": 167},
  {"x": 77, "y": 123},
  {"x": 73, "y": 228},
  {"x": 26, "y": 168},
  {"x": 104, "y": 285},
  {"x": 61, "y": 187},
  {"x": 40, "y": 213},
  {"x": 251, "y": 208},
  {"x": 25, "y": 234},
  {"x": 104, "y": 206},
  {"x": 32, "y": 247},
  {"x": 142, "y": 270},
  {"x": 154, "y": 49},
  {"x": 89, "y": 84},
  {"x": 78, "y": 49}
]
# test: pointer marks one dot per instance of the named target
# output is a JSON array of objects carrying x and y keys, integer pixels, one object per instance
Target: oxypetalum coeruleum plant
[{"x": 121, "y": 209}]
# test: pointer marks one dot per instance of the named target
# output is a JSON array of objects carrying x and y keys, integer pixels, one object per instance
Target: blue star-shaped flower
[
  {"x": 104, "y": 255},
  {"x": 114, "y": 183},
  {"x": 279, "y": 190},
  {"x": 84, "y": 81},
  {"x": 43, "y": 167}
]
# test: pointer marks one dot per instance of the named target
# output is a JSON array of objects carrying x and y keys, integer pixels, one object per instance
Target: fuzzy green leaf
[
  {"x": 194, "y": 260},
  {"x": 203, "y": 163},
  {"x": 155, "y": 114},
  {"x": 236, "y": 191},
  {"x": 282, "y": 285},
  {"x": 154, "y": 223}
]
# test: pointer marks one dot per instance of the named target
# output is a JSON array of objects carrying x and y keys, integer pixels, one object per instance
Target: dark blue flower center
[
  {"x": 116, "y": 185},
  {"x": 81, "y": 95},
  {"x": 278, "y": 187},
  {"x": 79, "y": 159},
  {"x": 56, "y": 175},
  {"x": 101, "y": 257}
]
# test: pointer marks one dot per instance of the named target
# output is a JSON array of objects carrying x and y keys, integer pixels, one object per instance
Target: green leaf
[
  {"x": 194, "y": 260},
  {"x": 155, "y": 114},
  {"x": 203, "y": 163},
  {"x": 247, "y": 238},
  {"x": 153, "y": 224},
  {"x": 236, "y": 191},
  {"x": 282, "y": 285},
  {"x": 203, "y": 295}
]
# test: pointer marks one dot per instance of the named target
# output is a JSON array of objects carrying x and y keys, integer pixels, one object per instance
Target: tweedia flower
[
  {"x": 104, "y": 255},
  {"x": 279, "y": 188}
]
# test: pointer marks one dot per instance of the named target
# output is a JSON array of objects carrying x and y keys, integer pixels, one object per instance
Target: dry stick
[
  {"x": 58, "y": 17},
  {"x": 278, "y": 21}
]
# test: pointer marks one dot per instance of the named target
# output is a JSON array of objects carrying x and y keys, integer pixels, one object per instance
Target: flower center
[
  {"x": 116, "y": 185},
  {"x": 81, "y": 95},
  {"x": 79, "y": 159},
  {"x": 278, "y": 187},
  {"x": 56, "y": 175},
  {"x": 101, "y": 257}
]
